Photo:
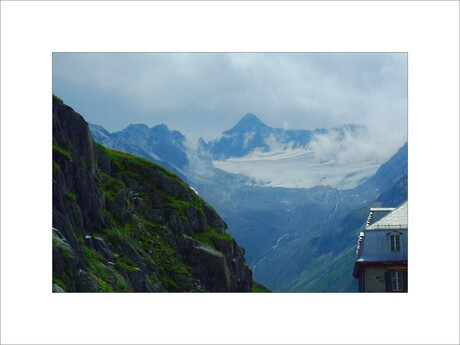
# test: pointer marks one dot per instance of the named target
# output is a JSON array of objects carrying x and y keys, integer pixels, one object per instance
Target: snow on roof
[
  {"x": 377, "y": 213},
  {"x": 382, "y": 209},
  {"x": 396, "y": 219}
]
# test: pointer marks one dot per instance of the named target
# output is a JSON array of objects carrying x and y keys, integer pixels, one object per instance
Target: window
[
  {"x": 395, "y": 243},
  {"x": 397, "y": 281}
]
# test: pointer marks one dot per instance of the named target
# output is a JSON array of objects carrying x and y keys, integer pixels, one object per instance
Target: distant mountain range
[
  {"x": 294, "y": 199},
  {"x": 266, "y": 156}
]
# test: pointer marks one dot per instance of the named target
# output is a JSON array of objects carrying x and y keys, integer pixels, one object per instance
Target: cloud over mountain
[{"x": 201, "y": 94}]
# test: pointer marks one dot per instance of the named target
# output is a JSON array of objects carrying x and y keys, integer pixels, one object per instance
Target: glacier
[{"x": 299, "y": 168}]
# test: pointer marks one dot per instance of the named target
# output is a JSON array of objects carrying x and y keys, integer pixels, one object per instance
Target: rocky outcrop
[{"x": 121, "y": 223}]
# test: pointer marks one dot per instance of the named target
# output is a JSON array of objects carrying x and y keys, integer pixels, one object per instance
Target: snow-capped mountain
[
  {"x": 276, "y": 157},
  {"x": 251, "y": 134},
  {"x": 341, "y": 157}
]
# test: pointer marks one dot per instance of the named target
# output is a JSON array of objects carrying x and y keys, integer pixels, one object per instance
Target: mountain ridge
[
  {"x": 158, "y": 144},
  {"x": 251, "y": 133}
]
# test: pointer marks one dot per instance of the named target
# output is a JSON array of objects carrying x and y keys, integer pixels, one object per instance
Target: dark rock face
[
  {"x": 218, "y": 266},
  {"x": 121, "y": 223}
]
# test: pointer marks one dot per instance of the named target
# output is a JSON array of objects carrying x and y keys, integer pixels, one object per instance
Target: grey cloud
[{"x": 202, "y": 94}]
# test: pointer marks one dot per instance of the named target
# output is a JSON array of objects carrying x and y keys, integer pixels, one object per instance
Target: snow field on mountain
[{"x": 298, "y": 168}]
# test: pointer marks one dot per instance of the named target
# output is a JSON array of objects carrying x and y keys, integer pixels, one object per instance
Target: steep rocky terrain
[{"x": 122, "y": 223}]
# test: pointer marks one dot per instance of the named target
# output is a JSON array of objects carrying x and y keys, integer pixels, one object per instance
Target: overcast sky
[{"x": 203, "y": 94}]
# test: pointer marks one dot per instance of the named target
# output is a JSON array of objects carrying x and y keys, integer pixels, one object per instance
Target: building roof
[
  {"x": 377, "y": 213},
  {"x": 394, "y": 219},
  {"x": 382, "y": 209}
]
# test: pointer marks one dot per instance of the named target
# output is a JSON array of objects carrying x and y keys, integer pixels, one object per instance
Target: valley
[{"x": 294, "y": 200}]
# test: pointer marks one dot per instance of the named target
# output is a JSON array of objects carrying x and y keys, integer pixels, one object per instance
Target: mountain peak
[
  {"x": 136, "y": 127},
  {"x": 249, "y": 122},
  {"x": 161, "y": 128},
  {"x": 250, "y": 118}
]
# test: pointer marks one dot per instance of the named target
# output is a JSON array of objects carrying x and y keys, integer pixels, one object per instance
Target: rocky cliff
[{"x": 122, "y": 223}]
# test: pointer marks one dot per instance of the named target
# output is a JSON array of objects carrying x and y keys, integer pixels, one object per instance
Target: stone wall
[{"x": 374, "y": 277}]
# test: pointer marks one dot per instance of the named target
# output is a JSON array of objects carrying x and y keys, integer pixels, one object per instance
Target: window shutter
[
  {"x": 405, "y": 281},
  {"x": 387, "y": 281}
]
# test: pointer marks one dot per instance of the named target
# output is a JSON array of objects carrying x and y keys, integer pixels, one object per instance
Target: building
[{"x": 381, "y": 263}]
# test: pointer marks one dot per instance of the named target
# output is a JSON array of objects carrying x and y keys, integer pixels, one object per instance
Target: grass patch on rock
[
  {"x": 71, "y": 196},
  {"x": 207, "y": 237},
  {"x": 56, "y": 167},
  {"x": 60, "y": 151},
  {"x": 257, "y": 287}
]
